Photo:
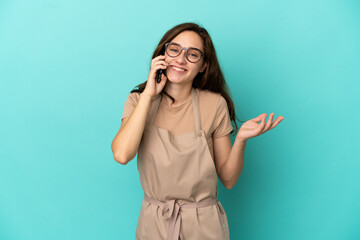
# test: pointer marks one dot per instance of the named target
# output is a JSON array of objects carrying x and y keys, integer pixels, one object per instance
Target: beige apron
[{"x": 178, "y": 176}]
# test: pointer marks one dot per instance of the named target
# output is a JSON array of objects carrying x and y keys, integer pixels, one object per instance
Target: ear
[{"x": 203, "y": 68}]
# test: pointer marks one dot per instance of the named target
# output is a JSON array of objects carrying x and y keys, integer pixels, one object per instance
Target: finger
[
  {"x": 277, "y": 121},
  {"x": 154, "y": 70},
  {"x": 258, "y": 118},
  {"x": 269, "y": 122},
  {"x": 157, "y": 58},
  {"x": 163, "y": 63},
  {"x": 262, "y": 124},
  {"x": 263, "y": 117},
  {"x": 163, "y": 80},
  {"x": 160, "y": 64},
  {"x": 259, "y": 129}
]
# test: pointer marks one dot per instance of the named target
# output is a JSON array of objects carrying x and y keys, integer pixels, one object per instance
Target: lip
[{"x": 177, "y": 67}]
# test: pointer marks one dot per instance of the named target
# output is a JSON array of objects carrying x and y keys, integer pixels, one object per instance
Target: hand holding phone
[
  {"x": 156, "y": 81},
  {"x": 158, "y": 75}
]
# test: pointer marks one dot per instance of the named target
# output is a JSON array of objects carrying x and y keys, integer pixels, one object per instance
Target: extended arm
[{"x": 229, "y": 160}]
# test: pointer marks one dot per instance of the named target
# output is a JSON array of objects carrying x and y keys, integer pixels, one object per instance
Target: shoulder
[
  {"x": 211, "y": 99},
  {"x": 134, "y": 94},
  {"x": 133, "y": 97}
]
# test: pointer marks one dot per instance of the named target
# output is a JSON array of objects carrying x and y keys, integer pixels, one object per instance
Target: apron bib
[{"x": 178, "y": 176}]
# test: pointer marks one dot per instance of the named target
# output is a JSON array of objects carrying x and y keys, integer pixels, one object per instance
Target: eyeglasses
[{"x": 192, "y": 54}]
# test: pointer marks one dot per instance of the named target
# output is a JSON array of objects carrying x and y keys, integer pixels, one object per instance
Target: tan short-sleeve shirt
[{"x": 179, "y": 119}]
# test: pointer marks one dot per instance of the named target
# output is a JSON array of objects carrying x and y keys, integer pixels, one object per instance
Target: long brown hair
[{"x": 211, "y": 79}]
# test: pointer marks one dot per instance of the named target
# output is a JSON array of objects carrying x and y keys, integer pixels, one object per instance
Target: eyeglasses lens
[{"x": 173, "y": 50}]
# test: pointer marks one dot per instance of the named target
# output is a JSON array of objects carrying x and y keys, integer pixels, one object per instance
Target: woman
[{"x": 180, "y": 128}]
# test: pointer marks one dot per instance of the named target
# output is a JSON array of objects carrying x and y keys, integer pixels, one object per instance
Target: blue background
[{"x": 67, "y": 67}]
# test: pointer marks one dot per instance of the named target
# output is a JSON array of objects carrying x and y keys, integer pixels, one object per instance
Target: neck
[{"x": 179, "y": 92}]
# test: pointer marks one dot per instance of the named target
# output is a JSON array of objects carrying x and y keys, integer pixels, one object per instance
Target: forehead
[{"x": 189, "y": 39}]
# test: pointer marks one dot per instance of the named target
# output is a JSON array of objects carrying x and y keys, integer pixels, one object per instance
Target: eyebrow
[{"x": 189, "y": 47}]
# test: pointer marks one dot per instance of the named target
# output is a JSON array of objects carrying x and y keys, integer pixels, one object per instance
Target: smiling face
[{"x": 180, "y": 70}]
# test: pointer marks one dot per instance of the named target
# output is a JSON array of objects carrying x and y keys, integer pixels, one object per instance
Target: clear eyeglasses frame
[{"x": 192, "y": 54}]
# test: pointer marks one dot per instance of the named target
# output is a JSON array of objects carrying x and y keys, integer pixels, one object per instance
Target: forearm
[
  {"x": 232, "y": 168},
  {"x": 127, "y": 140}
]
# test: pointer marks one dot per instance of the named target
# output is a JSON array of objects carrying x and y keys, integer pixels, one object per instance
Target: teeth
[{"x": 178, "y": 69}]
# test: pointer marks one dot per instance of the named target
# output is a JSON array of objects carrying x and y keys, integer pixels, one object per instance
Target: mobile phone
[
  {"x": 160, "y": 71},
  {"x": 158, "y": 75}
]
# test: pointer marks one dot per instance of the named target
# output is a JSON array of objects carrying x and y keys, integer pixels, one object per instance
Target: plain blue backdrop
[{"x": 67, "y": 67}]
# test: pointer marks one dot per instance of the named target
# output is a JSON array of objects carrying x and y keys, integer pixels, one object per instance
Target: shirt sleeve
[
  {"x": 222, "y": 119},
  {"x": 130, "y": 104}
]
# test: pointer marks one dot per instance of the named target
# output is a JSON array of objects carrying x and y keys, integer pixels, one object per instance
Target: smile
[{"x": 178, "y": 69}]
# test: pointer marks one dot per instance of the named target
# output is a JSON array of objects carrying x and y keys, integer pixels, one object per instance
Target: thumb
[
  {"x": 163, "y": 80},
  {"x": 261, "y": 118},
  {"x": 258, "y": 118}
]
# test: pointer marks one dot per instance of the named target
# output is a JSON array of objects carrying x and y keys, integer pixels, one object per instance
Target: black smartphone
[
  {"x": 158, "y": 75},
  {"x": 160, "y": 71}
]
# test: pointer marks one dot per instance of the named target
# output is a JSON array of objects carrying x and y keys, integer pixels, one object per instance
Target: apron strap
[{"x": 196, "y": 110}]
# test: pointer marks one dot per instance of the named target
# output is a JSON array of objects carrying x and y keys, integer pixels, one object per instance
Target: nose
[{"x": 181, "y": 58}]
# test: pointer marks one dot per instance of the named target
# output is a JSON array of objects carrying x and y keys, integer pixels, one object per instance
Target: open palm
[{"x": 251, "y": 128}]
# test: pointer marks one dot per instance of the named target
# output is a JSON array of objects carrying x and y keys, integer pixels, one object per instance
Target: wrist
[
  {"x": 242, "y": 140},
  {"x": 145, "y": 96}
]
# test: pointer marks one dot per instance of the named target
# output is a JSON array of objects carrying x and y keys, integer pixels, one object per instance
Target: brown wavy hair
[{"x": 211, "y": 79}]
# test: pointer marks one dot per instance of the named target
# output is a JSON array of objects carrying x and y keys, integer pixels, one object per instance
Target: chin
[
  {"x": 175, "y": 79},
  {"x": 172, "y": 81}
]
